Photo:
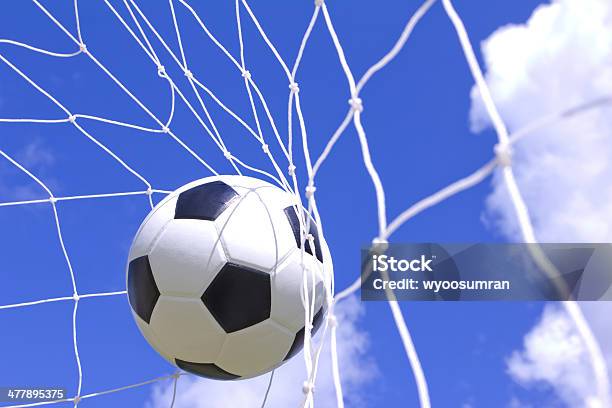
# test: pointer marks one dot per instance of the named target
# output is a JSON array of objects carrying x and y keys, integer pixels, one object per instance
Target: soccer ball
[{"x": 215, "y": 277}]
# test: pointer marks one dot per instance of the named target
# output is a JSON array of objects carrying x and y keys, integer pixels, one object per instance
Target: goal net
[{"x": 137, "y": 98}]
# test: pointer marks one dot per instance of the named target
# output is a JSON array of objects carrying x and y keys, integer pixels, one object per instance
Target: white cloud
[
  {"x": 561, "y": 57},
  {"x": 356, "y": 366},
  {"x": 36, "y": 155},
  {"x": 553, "y": 354},
  {"x": 36, "y": 158},
  {"x": 517, "y": 403}
]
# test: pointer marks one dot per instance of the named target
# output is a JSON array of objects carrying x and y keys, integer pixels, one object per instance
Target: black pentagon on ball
[
  {"x": 142, "y": 290},
  {"x": 239, "y": 297},
  {"x": 204, "y": 202},
  {"x": 292, "y": 217},
  {"x": 207, "y": 370},
  {"x": 298, "y": 341}
]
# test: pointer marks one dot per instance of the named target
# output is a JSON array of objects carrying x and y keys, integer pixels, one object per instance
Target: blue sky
[{"x": 416, "y": 117}]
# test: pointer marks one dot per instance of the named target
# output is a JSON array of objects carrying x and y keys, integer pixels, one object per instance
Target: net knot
[
  {"x": 310, "y": 238},
  {"x": 165, "y": 129},
  {"x": 265, "y": 148},
  {"x": 307, "y": 387},
  {"x": 503, "y": 154},
  {"x": 294, "y": 87},
  {"x": 52, "y": 200},
  {"x": 149, "y": 191},
  {"x": 227, "y": 154},
  {"x": 72, "y": 118},
  {"x": 188, "y": 74},
  {"x": 246, "y": 74},
  {"x": 310, "y": 190},
  {"x": 331, "y": 320},
  {"x": 356, "y": 104},
  {"x": 291, "y": 170},
  {"x": 76, "y": 399},
  {"x": 379, "y": 245},
  {"x": 319, "y": 3},
  {"x": 83, "y": 48},
  {"x": 161, "y": 71},
  {"x": 76, "y": 297}
]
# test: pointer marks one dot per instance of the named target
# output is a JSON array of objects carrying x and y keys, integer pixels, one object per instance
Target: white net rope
[{"x": 153, "y": 44}]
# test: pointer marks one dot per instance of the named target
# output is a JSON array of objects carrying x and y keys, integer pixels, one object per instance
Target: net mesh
[{"x": 283, "y": 168}]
